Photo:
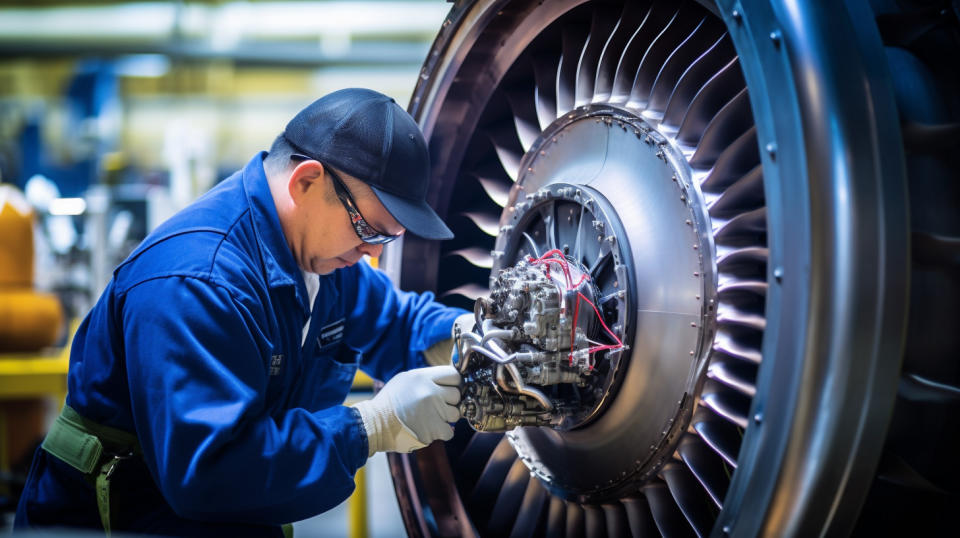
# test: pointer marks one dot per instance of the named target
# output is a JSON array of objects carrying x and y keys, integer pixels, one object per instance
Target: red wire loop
[{"x": 557, "y": 257}]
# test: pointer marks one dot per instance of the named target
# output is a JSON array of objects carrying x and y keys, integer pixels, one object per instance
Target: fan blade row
[
  {"x": 710, "y": 100},
  {"x": 522, "y": 101},
  {"x": 666, "y": 514},
  {"x": 738, "y": 375},
  {"x": 633, "y": 15},
  {"x": 506, "y": 142},
  {"x": 743, "y": 229},
  {"x": 725, "y": 126},
  {"x": 729, "y": 315},
  {"x": 617, "y": 522},
  {"x": 497, "y": 190},
  {"x": 602, "y": 24},
  {"x": 573, "y": 36},
  {"x": 676, "y": 32},
  {"x": 470, "y": 290},
  {"x": 703, "y": 37},
  {"x": 745, "y": 194},
  {"x": 728, "y": 345},
  {"x": 738, "y": 286},
  {"x": 733, "y": 162},
  {"x": 532, "y": 506},
  {"x": 494, "y": 476},
  {"x": 639, "y": 517},
  {"x": 706, "y": 466},
  {"x": 477, "y": 256},
  {"x": 701, "y": 71},
  {"x": 745, "y": 256},
  {"x": 545, "y": 68},
  {"x": 652, "y": 25},
  {"x": 720, "y": 435},
  {"x": 508, "y": 501},
  {"x": 728, "y": 405},
  {"x": 689, "y": 496}
]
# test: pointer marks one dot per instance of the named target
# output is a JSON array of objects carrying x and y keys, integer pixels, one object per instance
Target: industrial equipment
[
  {"x": 548, "y": 319},
  {"x": 760, "y": 201}
]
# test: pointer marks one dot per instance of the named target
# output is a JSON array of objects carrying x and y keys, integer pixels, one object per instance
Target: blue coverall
[{"x": 195, "y": 346}]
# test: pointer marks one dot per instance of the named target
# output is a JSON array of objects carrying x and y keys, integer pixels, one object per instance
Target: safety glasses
[{"x": 367, "y": 233}]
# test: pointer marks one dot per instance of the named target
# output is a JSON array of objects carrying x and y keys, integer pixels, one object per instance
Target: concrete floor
[{"x": 383, "y": 514}]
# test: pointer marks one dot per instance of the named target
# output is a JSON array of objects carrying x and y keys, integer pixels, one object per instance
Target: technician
[{"x": 206, "y": 385}]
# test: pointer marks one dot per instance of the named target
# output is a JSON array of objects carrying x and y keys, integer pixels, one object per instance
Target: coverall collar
[{"x": 282, "y": 269}]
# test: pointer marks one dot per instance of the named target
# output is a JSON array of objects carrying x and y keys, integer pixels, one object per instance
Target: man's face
[{"x": 322, "y": 237}]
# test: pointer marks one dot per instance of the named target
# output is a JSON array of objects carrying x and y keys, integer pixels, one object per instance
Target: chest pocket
[
  {"x": 329, "y": 365},
  {"x": 329, "y": 373}
]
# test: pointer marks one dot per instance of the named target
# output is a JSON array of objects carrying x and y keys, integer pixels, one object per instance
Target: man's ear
[{"x": 306, "y": 176}]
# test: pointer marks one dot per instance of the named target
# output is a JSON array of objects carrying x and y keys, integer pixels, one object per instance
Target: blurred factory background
[{"x": 114, "y": 115}]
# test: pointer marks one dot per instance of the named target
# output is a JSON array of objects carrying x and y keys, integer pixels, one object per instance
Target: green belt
[
  {"x": 93, "y": 449},
  {"x": 96, "y": 450}
]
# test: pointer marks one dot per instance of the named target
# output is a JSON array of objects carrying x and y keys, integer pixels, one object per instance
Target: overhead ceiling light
[
  {"x": 142, "y": 65},
  {"x": 67, "y": 206}
]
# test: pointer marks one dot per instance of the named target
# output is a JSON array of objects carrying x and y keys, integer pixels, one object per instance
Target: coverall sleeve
[
  {"x": 389, "y": 327},
  {"x": 198, "y": 370}
]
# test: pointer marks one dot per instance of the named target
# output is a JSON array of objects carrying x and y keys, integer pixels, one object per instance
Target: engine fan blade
[
  {"x": 700, "y": 40},
  {"x": 727, "y": 125},
  {"x": 700, "y": 71},
  {"x": 688, "y": 17},
  {"x": 689, "y": 496},
  {"x": 720, "y": 90}
]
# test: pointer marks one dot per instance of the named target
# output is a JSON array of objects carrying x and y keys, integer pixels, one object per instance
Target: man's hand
[
  {"x": 412, "y": 410},
  {"x": 443, "y": 351}
]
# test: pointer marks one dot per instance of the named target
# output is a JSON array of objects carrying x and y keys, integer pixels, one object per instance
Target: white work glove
[
  {"x": 466, "y": 323},
  {"x": 442, "y": 352},
  {"x": 412, "y": 410}
]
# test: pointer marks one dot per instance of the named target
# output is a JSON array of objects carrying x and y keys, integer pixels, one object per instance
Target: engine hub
[
  {"x": 549, "y": 372},
  {"x": 550, "y": 336}
]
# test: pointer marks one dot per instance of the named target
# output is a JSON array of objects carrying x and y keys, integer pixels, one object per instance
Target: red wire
[
  {"x": 560, "y": 260},
  {"x": 565, "y": 267},
  {"x": 611, "y": 333}
]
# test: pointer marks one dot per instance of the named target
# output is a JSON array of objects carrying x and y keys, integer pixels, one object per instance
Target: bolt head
[{"x": 775, "y": 37}]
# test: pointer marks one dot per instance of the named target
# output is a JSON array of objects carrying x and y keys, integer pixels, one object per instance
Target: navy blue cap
[{"x": 369, "y": 136}]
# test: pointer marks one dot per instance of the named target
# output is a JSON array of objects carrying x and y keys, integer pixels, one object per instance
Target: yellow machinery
[{"x": 29, "y": 322}]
